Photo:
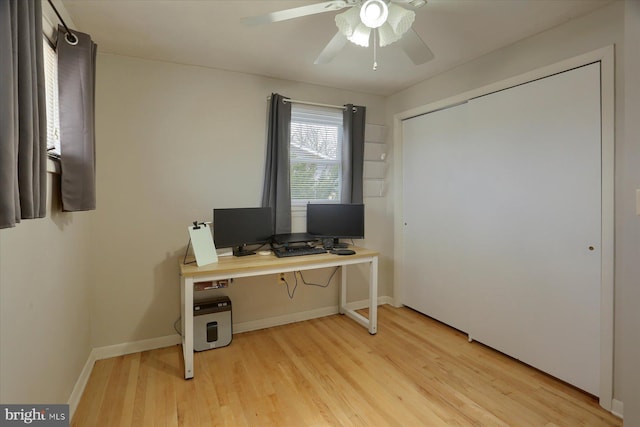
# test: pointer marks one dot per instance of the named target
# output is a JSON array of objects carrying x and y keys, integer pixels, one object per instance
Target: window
[
  {"x": 315, "y": 154},
  {"x": 51, "y": 83}
]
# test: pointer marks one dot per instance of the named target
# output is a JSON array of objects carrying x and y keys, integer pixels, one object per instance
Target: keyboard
[{"x": 298, "y": 251}]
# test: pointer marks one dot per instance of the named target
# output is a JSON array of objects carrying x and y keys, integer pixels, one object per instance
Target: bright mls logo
[{"x": 36, "y": 415}]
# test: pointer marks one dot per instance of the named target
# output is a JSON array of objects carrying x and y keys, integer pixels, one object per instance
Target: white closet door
[
  {"x": 501, "y": 200},
  {"x": 435, "y": 215},
  {"x": 536, "y": 290}
]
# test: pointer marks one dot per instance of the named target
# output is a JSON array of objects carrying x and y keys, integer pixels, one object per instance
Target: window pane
[
  {"x": 315, "y": 181},
  {"x": 51, "y": 89},
  {"x": 315, "y": 156},
  {"x": 311, "y": 141}
]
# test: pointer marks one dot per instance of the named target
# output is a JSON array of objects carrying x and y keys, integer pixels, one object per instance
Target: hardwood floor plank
[
  {"x": 140, "y": 390},
  {"x": 89, "y": 407},
  {"x": 367, "y": 373},
  {"x": 331, "y": 372}
]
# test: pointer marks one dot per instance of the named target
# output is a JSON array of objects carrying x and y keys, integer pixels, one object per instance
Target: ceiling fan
[{"x": 386, "y": 19}]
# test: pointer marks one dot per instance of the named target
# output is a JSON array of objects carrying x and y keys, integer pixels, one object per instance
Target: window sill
[
  {"x": 299, "y": 210},
  {"x": 53, "y": 165}
]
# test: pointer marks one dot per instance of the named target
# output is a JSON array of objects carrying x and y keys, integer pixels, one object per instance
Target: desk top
[{"x": 232, "y": 264}]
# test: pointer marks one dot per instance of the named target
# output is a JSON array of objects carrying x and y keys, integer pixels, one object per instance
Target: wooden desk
[{"x": 258, "y": 265}]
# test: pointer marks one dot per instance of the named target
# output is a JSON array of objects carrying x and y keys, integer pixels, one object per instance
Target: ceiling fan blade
[
  {"x": 296, "y": 12},
  {"x": 415, "y": 48},
  {"x": 331, "y": 49}
]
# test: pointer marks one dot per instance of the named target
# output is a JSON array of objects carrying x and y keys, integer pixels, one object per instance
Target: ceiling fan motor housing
[{"x": 374, "y": 13}]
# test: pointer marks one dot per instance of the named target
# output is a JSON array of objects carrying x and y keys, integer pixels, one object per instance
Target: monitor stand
[
  {"x": 334, "y": 244},
  {"x": 242, "y": 251}
]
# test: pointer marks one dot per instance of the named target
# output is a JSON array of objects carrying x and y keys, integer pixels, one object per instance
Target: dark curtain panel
[
  {"x": 23, "y": 121},
  {"x": 353, "y": 153},
  {"x": 276, "y": 192},
  {"x": 76, "y": 86}
]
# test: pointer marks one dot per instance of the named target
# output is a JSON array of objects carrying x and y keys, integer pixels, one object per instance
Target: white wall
[
  {"x": 598, "y": 29},
  {"x": 45, "y": 292},
  {"x": 628, "y": 223},
  {"x": 174, "y": 142}
]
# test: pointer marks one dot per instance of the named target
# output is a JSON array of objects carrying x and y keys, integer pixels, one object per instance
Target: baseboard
[
  {"x": 135, "y": 347},
  {"x": 116, "y": 350},
  {"x": 81, "y": 383},
  {"x": 269, "y": 322},
  {"x": 358, "y": 305},
  {"x": 617, "y": 408}
]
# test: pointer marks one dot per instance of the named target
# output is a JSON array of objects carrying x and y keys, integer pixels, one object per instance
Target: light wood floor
[{"x": 331, "y": 372}]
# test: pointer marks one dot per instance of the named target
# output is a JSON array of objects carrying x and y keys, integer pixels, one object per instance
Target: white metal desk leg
[
  {"x": 343, "y": 289},
  {"x": 373, "y": 296},
  {"x": 187, "y": 326}
]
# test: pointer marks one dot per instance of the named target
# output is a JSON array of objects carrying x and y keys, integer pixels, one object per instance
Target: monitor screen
[
  {"x": 238, "y": 227},
  {"x": 334, "y": 220}
]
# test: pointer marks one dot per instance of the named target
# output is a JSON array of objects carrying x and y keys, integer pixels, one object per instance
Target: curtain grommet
[{"x": 73, "y": 40}]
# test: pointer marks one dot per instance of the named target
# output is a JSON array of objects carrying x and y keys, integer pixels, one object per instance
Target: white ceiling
[{"x": 209, "y": 33}]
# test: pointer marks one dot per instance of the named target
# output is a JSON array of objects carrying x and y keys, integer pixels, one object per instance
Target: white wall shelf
[
  {"x": 375, "y": 151},
  {"x": 374, "y": 187},
  {"x": 375, "y": 165}
]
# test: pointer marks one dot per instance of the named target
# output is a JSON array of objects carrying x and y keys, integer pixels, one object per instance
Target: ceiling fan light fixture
[
  {"x": 374, "y": 13},
  {"x": 387, "y": 35},
  {"x": 348, "y": 21},
  {"x": 360, "y": 35},
  {"x": 400, "y": 19}
]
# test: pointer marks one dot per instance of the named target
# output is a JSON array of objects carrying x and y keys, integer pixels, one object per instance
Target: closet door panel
[
  {"x": 536, "y": 287},
  {"x": 435, "y": 215},
  {"x": 502, "y": 206}
]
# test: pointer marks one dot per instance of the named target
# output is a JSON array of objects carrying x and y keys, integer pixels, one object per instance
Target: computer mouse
[{"x": 343, "y": 252}]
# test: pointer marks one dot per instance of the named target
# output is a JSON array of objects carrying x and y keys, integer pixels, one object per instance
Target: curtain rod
[
  {"x": 295, "y": 101},
  {"x": 74, "y": 39}
]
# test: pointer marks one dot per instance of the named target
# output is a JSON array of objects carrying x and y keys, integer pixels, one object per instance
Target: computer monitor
[
  {"x": 335, "y": 221},
  {"x": 239, "y": 227}
]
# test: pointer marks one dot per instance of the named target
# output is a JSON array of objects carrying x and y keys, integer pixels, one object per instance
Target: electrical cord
[
  {"x": 318, "y": 284},
  {"x": 291, "y": 293},
  {"x": 176, "y": 327}
]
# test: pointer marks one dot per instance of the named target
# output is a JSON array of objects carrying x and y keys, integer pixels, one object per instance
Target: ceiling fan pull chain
[{"x": 375, "y": 51}]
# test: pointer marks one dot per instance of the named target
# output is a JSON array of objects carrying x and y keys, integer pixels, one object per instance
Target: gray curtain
[
  {"x": 353, "y": 153},
  {"x": 276, "y": 192},
  {"x": 23, "y": 122},
  {"x": 76, "y": 93}
]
